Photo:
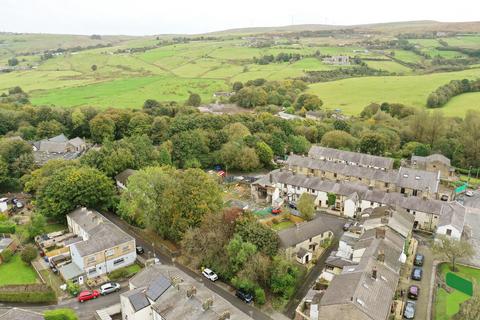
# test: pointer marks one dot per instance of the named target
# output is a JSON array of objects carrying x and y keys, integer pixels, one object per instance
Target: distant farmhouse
[
  {"x": 337, "y": 60},
  {"x": 58, "y": 147}
]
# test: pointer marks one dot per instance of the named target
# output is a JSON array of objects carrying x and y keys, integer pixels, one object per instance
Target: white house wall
[{"x": 456, "y": 234}]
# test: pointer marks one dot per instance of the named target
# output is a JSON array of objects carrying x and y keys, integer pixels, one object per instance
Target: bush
[
  {"x": 119, "y": 274},
  {"x": 29, "y": 253},
  {"x": 7, "y": 255},
  {"x": 60, "y": 314},
  {"x": 259, "y": 294},
  {"x": 33, "y": 293},
  {"x": 73, "y": 288},
  {"x": 7, "y": 227}
]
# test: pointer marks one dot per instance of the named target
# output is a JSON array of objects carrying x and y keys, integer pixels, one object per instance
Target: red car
[
  {"x": 276, "y": 210},
  {"x": 88, "y": 295}
]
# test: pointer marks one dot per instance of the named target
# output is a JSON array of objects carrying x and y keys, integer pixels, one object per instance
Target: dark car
[
  {"x": 413, "y": 292},
  {"x": 409, "y": 311},
  {"x": 417, "y": 274},
  {"x": 245, "y": 296},
  {"x": 419, "y": 259},
  {"x": 444, "y": 197},
  {"x": 140, "y": 250},
  {"x": 292, "y": 205}
]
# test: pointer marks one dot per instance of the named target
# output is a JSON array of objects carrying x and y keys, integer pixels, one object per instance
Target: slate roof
[
  {"x": 102, "y": 237},
  {"x": 397, "y": 219},
  {"x": 123, "y": 176},
  {"x": 5, "y": 243},
  {"x": 431, "y": 158},
  {"x": 338, "y": 262},
  {"x": 453, "y": 214},
  {"x": 404, "y": 177},
  {"x": 354, "y": 294},
  {"x": 20, "y": 314},
  {"x": 102, "y": 234},
  {"x": 346, "y": 188},
  {"x": 318, "y": 152},
  {"x": 302, "y": 231},
  {"x": 70, "y": 271},
  {"x": 157, "y": 287},
  {"x": 137, "y": 298}
]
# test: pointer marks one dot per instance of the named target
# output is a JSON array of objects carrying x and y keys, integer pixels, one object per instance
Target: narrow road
[{"x": 165, "y": 259}]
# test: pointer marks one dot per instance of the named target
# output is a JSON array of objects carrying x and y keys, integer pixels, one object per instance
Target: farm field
[{"x": 352, "y": 95}]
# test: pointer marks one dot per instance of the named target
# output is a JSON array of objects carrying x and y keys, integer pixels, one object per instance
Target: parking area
[{"x": 422, "y": 303}]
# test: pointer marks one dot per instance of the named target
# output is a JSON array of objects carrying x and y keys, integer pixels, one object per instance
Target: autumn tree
[{"x": 452, "y": 249}]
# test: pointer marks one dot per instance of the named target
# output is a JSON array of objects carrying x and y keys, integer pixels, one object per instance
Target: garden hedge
[
  {"x": 7, "y": 227},
  {"x": 31, "y": 293}
]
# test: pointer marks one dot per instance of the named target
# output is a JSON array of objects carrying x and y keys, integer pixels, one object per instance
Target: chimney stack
[
  {"x": 225, "y": 315},
  {"x": 270, "y": 177},
  {"x": 191, "y": 292},
  {"x": 380, "y": 233},
  {"x": 374, "y": 273},
  {"x": 381, "y": 256},
  {"x": 207, "y": 304}
]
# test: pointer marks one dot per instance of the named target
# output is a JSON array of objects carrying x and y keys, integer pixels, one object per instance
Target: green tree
[
  {"x": 170, "y": 201},
  {"x": 140, "y": 124},
  {"x": 188, "y": 146},
  {"x": 372, "y": 143},
  {"x": 306, "y": 206},
  {"x": 102, "y": 128},
  {"x": 238, "y": 252},
  {"x": 151, "y": 104},
  {"x": 331, "y": 198},
  {"x": 36, "y": 226},
  {"x": 48, "y": 129},
  {"x": 236, "y": 131},
  {"x": 452, "y": 249},
  {"x": 283, "y": 277},
  {"x": 265, "y": 154},
  {"x": 194, "y": 100},
  {"x": 265, "y": 239},
  {"x": 308, "y": 101},
  {"x": 298, "y": 144},
  {"x": 12, "y": 62},
  {"x": 94, "y": 67},
  {"x": 341, "y": 125},
  {"x": 60, "y": 314},
  {"x": 71, "y": 187},
  {"x": 164, "y": 156},
  {"x": 237, "y": 86},
  {"x": 338, "y": 139},
  {"x": 29, "y": 253}
]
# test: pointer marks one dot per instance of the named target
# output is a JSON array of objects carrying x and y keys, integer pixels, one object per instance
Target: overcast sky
[{"x": 147, "y": 17}]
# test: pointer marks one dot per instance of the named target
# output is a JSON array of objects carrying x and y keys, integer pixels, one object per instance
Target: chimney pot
[{"x": 374, "y": 273}]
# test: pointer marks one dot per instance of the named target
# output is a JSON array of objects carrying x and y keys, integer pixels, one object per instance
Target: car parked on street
[
  {"x": 292, "y": 205},
  {"x": 88, "y": 295},
  {"x": 419, "y": 260},
  {"x": 413, "y": 292},
  {"x": 469, "y": 193},
  {"x": 140, "y": 250},
  {"x": 417, "y": 274},
  {"x": 109, "y": 287},
  {"x": 347, "y": 225},
  {"x": 244, "y": 296},
  {"x": 276, "y": 210},
  {"x": 409, "y": 311},
  {"x": 209, "y": 274}
]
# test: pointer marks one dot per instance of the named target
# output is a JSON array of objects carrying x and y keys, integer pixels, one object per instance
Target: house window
[
  {"x": 449, "y": 232},
  {"x": 92, "y": 271},
  {"x": 334, "y": 175},
  {"x": 126, "y": 248},
  {"x": 386, "y": 184},
  {"x": 91, "y": 259},
  {"x": 109, "y": 253},
  {"x": 118, "y": 261},
  {"x": 371, "y": 203},
  {"x": 402, "y": 190},
  {"x": 415, "y": 192}
]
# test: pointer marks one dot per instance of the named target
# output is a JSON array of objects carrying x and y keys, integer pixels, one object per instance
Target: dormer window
[{"x": 405, "y": 175}]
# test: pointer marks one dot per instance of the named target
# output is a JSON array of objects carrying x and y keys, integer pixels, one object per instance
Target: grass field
[
  {"x": 16, "y": 272},
  {"x": 283, "y": 225},
  {"x": 390, "y": 66},
  {"x": 448, "y": 304},
  {"x": 352, "y": 95}
]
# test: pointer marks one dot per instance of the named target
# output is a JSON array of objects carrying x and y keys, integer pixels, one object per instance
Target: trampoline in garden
[
  {"x": 264, "y": 212},
  {"x": 459, "y": 283}
]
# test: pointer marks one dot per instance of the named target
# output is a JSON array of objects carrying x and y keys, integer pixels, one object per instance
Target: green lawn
[
  {"x": 283, "y": 225},
  {"x": 447, "y": 305},
  {"x": 16, "y": 272}
]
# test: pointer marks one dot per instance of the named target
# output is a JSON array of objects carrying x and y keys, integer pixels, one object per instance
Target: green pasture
[
  {"x": 390, "y": 66},
  {"x": 16, "y": 272},
  {"x": 352, "y": 95}
]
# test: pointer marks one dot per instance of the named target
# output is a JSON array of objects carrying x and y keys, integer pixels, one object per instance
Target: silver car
[{"x": 109, "y": 288}]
